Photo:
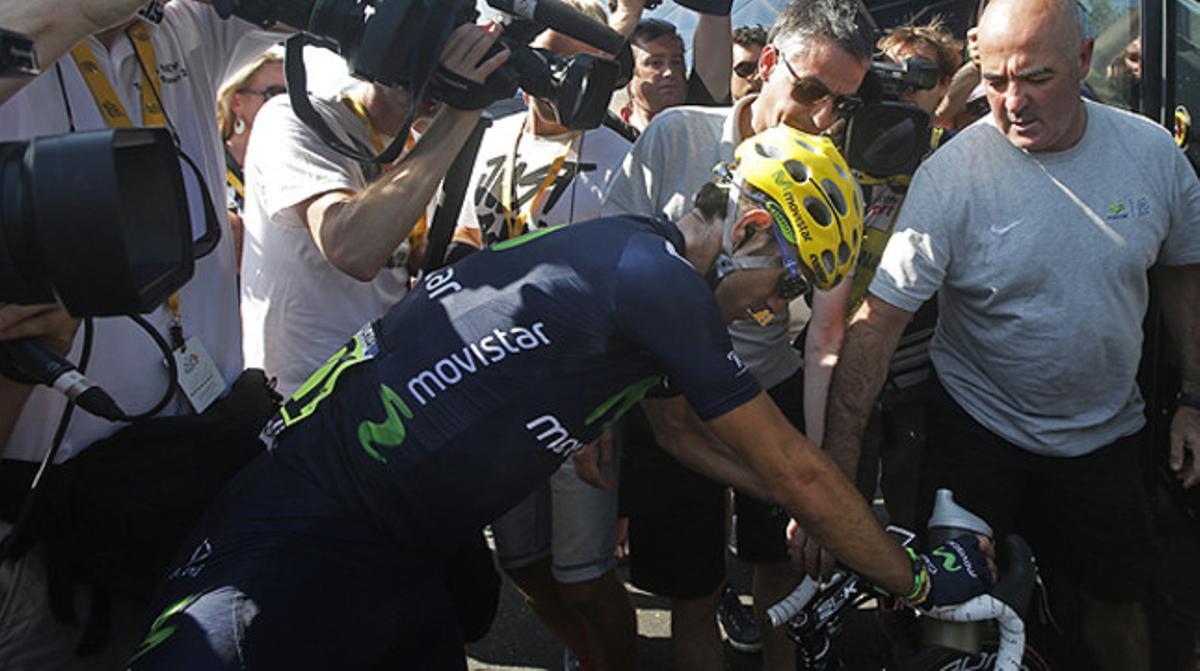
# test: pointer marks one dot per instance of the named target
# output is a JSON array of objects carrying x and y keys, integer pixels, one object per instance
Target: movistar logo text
[
  {"x": 492, "y": 348},
  {"x": 388, "y": 433}
]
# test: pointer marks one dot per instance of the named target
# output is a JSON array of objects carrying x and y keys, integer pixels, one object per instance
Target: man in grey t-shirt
[{"x": 1036, "y": 227}]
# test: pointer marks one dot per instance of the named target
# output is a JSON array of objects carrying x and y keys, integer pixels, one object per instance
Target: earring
[{"x": 239, "y": 125}]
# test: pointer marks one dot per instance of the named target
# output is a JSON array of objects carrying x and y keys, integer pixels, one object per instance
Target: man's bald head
[{"x": 1055, "y": 20}]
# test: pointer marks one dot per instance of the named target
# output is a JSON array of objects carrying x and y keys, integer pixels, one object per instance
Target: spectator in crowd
[
  {"x": 1124, "y": 72},
  {"x": 748, "y": 43},
  {"x": 557, "y": 545},
  {"x": 817, "y": 55},
  {"x": 660, "y": 79},
  {"x": 170, "y": 78},
  {"x": 1035, "y": 432},
  {"x": 932, "y": 41},
  {"x": 471, "y": 391},
  {"x": 238, "y": 103}
]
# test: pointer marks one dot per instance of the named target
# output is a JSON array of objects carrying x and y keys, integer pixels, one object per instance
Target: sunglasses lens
[
  {"x": 745, "y": 69},
  {"x": 272, "y": 91}
]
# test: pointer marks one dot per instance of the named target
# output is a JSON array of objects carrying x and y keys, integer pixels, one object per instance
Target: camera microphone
[
  {"x": 33, "y": 362},
  {"x": 566, "y": 20}
]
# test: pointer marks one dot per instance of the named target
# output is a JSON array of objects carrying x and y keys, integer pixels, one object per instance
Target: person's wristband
[
  {"x": 921, "y": 585},
  {"x": 1188, "y": 400}
]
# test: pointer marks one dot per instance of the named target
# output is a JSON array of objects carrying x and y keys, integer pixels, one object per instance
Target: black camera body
[{"x": 886, "y": 138}]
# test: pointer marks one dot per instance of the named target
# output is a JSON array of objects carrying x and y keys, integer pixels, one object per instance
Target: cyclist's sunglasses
[
  {"x": 266, "y": 93},
  {"x": 811, "y": 91},
  {"x": 745, "y": 69},
  {"x": 792, "y": 283}
]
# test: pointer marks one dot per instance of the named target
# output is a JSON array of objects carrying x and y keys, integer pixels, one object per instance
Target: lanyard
[
  {"x": 115, "y": 115},
  {"x": 516, "y": 224},
  {"x": 236, "y": 182},
  {"x": 355, "y": 105},
  {"x": 107, "y": 102}
]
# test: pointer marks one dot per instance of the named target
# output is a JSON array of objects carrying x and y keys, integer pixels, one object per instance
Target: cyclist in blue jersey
[{"x": 470, "y": 392}]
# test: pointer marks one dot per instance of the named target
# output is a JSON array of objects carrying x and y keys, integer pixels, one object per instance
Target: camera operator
[{"x": 138, "y": 73}]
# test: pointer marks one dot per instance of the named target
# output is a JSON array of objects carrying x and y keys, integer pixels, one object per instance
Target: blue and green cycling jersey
[{"x": 469, "y": 392}]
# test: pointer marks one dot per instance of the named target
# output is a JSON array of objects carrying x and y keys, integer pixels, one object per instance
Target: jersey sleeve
[
  {"x": 917, "y": 256},
  {"x": 661, "y": 302}
]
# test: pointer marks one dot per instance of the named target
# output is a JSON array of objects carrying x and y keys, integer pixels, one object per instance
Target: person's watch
[{"x": 1189, "y": 400}]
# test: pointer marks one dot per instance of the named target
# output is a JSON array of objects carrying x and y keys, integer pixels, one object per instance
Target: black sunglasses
[
  {"x": 266, "y": 93},
  {"x": 745, "y": 69},
  {"x": 810, "y": 91}
]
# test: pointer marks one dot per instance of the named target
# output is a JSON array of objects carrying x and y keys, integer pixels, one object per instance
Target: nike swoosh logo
[{"x": 1001, "y": 230}]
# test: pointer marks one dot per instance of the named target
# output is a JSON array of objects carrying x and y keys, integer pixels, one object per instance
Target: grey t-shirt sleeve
[
  {"x": 1182, "y": 244},
  {"x": 917, "y": 256}
]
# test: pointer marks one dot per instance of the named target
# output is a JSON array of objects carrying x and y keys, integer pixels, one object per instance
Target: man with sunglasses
[
  {"x": 470, "y": 392},
  {"x": 815, "y": 60},
  {"x": 748, "y": 43}
]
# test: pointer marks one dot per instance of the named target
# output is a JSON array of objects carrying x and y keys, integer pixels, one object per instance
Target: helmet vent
[
  {"x": 838, "y": 166},
  {"x": 807, "y": 146},
  {"x": 796, "y": 170},
  {"x": 819, "y": 212},
  {"x": 768, "y": 151},
  {"x": 828, "y": 262},
  {"x": 843, "y": 253},
  {"x": 835, "y": 196}
]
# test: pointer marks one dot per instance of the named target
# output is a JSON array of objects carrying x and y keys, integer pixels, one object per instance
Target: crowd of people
[{"x": 606, "y": 364}]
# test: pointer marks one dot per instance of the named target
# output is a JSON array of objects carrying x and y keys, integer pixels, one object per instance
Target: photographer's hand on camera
[{"x": 464, "y": 77}]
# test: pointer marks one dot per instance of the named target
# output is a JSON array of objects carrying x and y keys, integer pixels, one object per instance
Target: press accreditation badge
[{"x": 199, "y": 378}]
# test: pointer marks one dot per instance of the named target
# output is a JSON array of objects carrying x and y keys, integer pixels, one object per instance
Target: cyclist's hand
[
  {"x": 808, "y": 555},
  {"x": 593, "y": 459},
  {"x": 956, "y": 571},
  {"x": 1185, "y": 445}
]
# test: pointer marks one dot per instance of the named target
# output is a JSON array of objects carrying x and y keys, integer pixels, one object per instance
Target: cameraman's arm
[
  {"x": 712, "y": 53},
  {"x": 625, "y": 15},
  {"x": 55, "y": 329},
  {"x": 57, "y": 26},
  {"x": 358, "y": 232}
]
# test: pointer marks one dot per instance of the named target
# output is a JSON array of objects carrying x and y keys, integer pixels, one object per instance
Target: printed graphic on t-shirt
[{"x": 527, "y": 181}]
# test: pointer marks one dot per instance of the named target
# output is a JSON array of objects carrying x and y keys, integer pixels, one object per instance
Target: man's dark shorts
[
  {"x": 1086, "y": 516},
  {"x": 677, "y": 516}
]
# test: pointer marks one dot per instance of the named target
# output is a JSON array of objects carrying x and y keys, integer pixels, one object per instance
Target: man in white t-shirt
[
  {"x": 557, "y": 545},
  {"x": 326, "y": 235},
  {"x": 194, "y": 51},
  {"x": 1036, "y": 227}
]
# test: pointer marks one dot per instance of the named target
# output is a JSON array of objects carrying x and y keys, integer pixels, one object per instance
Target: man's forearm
[
  {"x": 861, "y": 371},
  {"x": 57, "y": 26},
  {"x": 363, "y": 232},
  {"x": 714, "y": 53},
  {"x": 1180, "y": 290}
]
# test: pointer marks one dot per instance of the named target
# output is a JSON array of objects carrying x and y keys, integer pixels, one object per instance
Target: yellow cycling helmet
[{"x": 805, "y": 184}]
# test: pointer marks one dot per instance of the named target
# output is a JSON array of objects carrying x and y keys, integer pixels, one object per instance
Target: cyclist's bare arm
[
  {"x": 796, "y": 474},
  {"x": 862, "y": 367},
  {"x": 680, "y": 432}
]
